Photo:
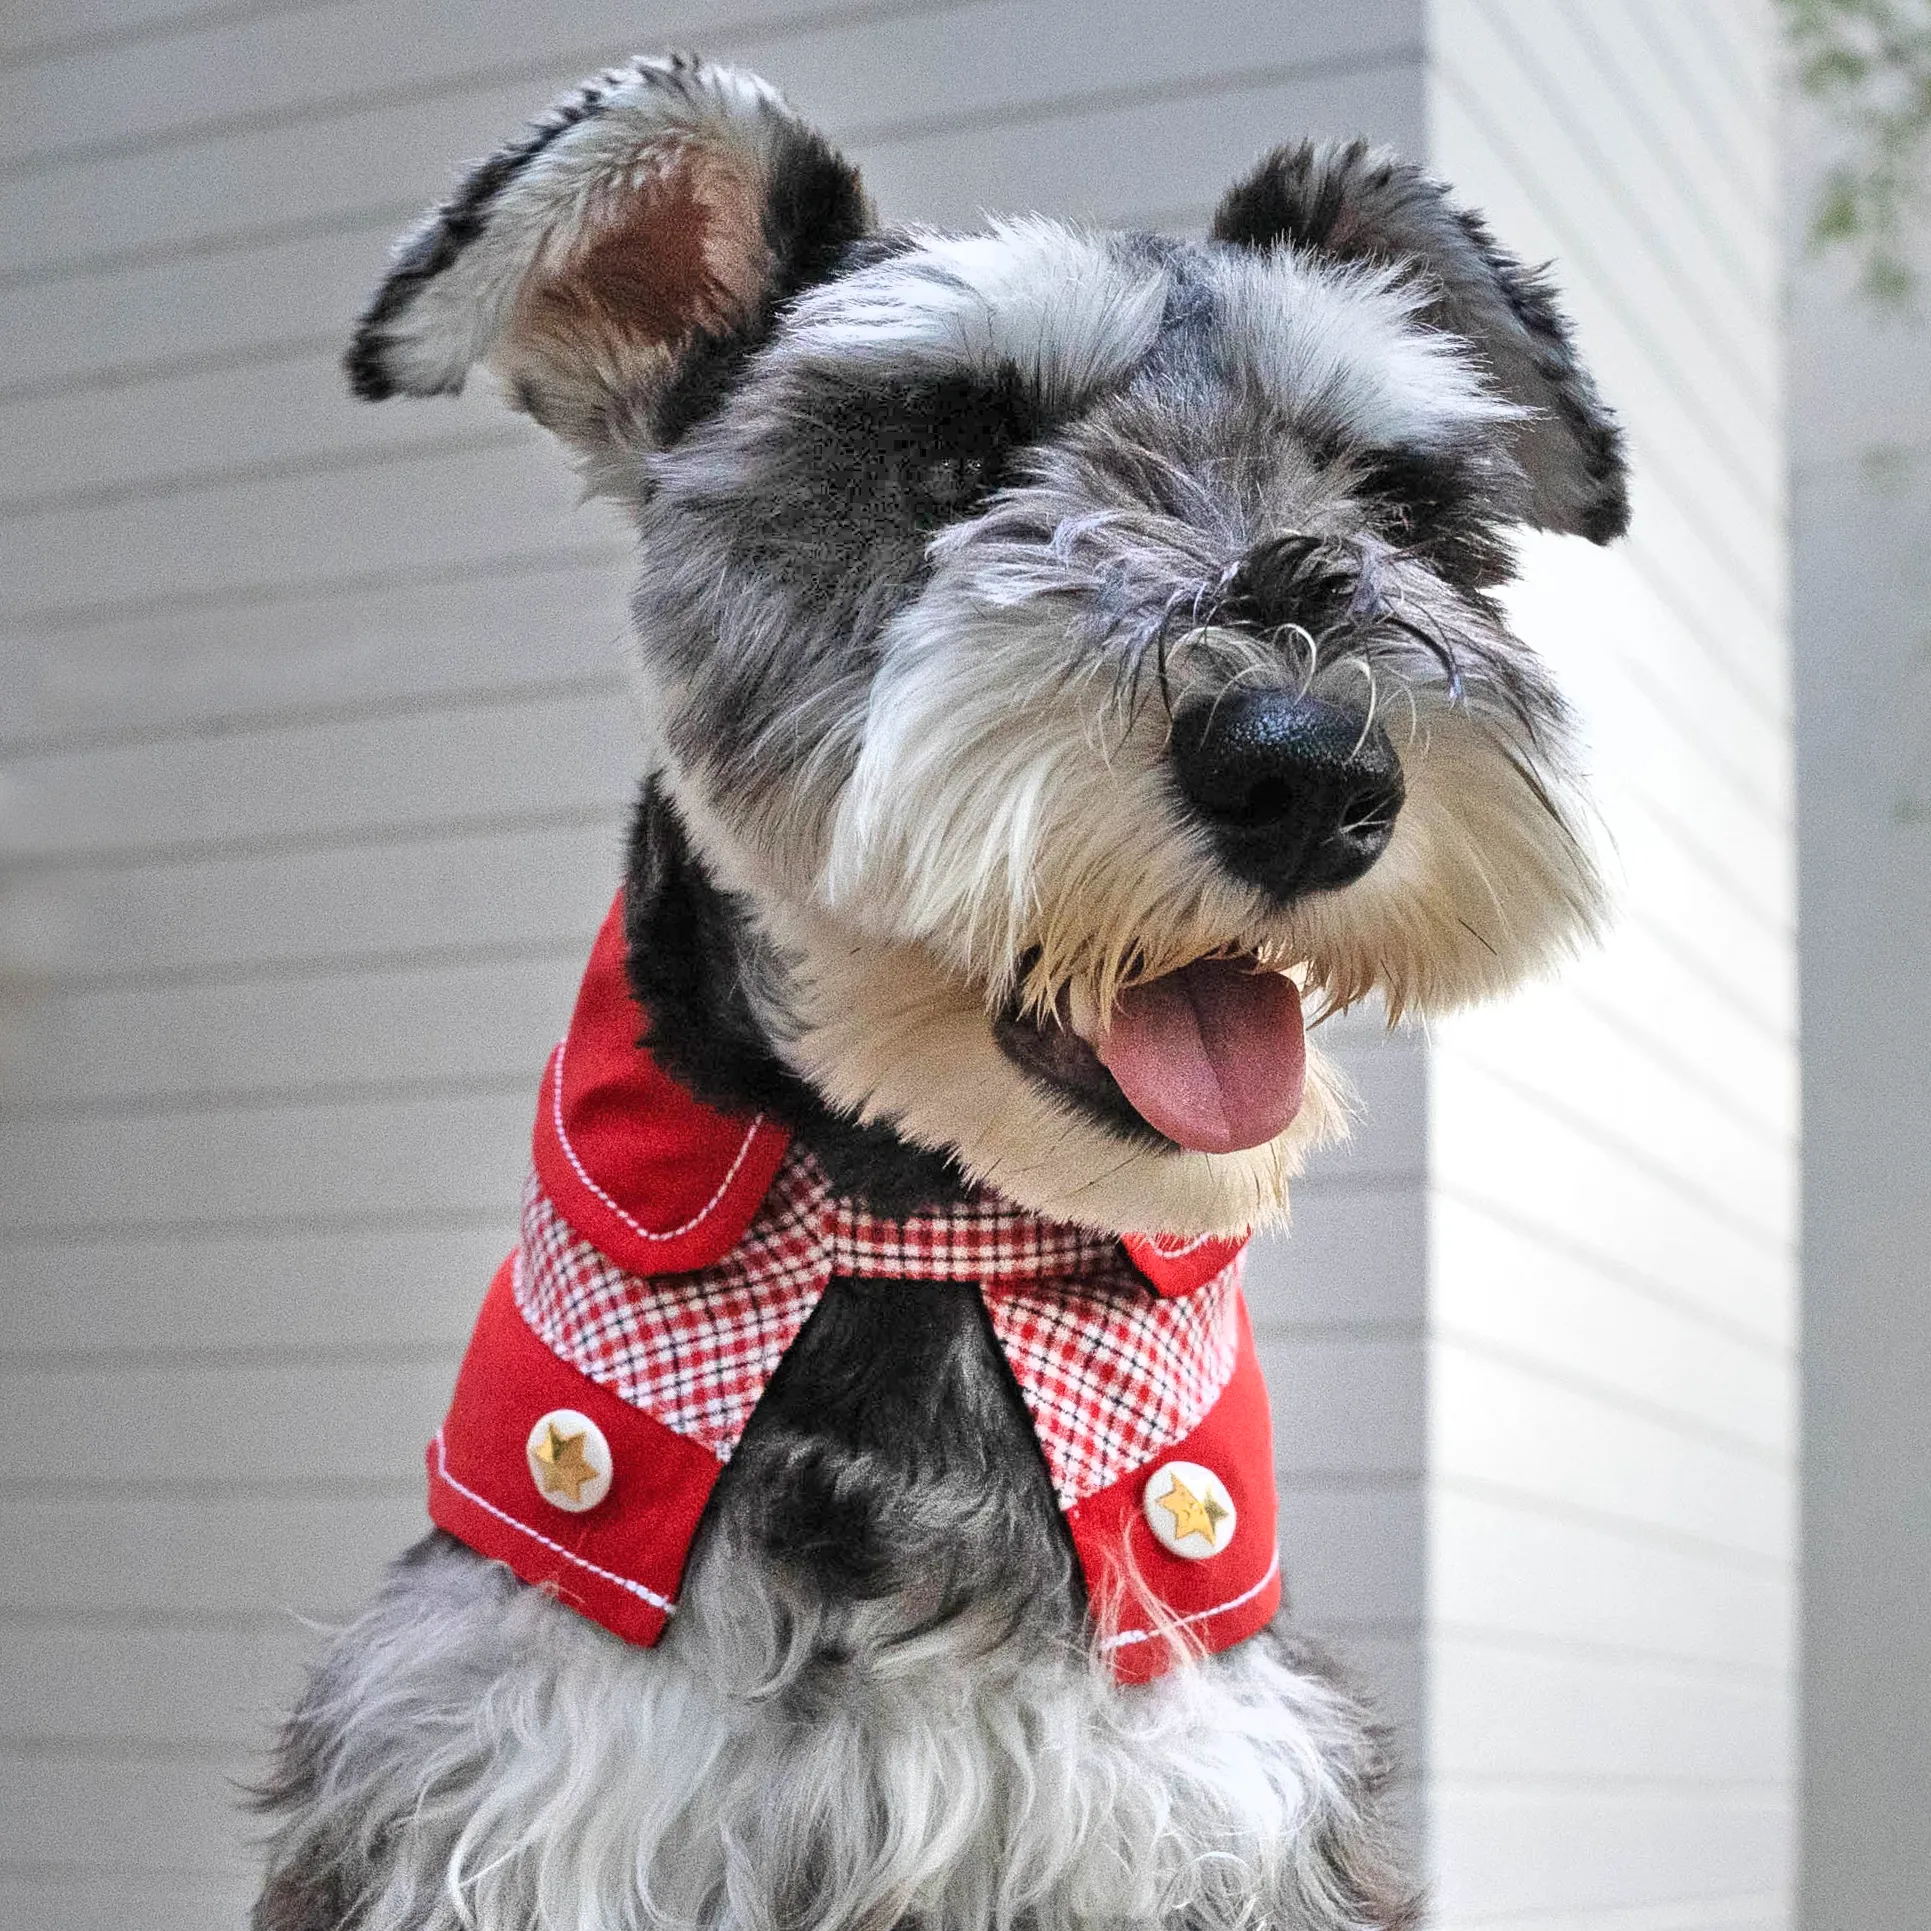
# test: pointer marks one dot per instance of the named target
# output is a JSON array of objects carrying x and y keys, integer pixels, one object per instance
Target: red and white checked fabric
[
  {"x": 1111, "y": 1372},
  {"x": 1112, "y": 1379},
  {"x": 695, "y": 1350},
  {"x": 977, "y": 1240}
]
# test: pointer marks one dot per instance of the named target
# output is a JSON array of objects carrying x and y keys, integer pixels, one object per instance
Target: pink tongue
[{"x": 1213, "y": 1055}]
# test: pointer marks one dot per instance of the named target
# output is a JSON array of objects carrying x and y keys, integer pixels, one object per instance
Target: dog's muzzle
[{"x": 1298, "y": 794}]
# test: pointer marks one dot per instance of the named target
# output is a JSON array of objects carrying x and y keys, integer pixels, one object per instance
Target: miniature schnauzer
[{"x": 1060, "y": 654}]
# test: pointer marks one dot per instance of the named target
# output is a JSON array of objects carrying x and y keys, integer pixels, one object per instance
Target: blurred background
[{"x": 314, "y": 748}]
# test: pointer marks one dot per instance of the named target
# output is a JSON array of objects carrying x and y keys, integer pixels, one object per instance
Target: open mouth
[{"x": 1212, "y": 1057}]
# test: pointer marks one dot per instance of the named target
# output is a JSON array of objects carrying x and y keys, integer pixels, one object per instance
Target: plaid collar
[{"x": 1109, "y": 1371}]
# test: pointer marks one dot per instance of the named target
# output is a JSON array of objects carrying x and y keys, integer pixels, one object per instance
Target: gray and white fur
[{"x": 983, "y": 577}]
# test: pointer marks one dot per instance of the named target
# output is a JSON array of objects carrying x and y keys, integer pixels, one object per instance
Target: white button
[
  {"x": 569, "y": 1460},
  {"x": 1189, "y": 1510}
]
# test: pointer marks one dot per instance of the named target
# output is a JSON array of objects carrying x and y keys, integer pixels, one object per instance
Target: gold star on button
[
  {"x": 1189, "y": 1510},
  {"x": 1192, "y": 1514},
  {"x": 569, "y": 1460},
  {"x": 565, "y": 1468}
]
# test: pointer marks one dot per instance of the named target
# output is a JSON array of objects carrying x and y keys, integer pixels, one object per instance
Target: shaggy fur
[
  {"x": 471, "y": 1754},
  {"x": 958, "y": 555}
]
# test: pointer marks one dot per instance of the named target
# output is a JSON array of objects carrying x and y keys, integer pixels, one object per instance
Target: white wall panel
[
  {"x": 334, "y": 524},
  {"x": 150, "y": 1812},
  {"x": 334, "y": 1289},
  {"x": 1501, "y": 1566},
  {"x": 217, "y": 1559},
  {"x": 119, "y": 441},
  {"x": 66, "y": 1899},
  {"x": 336, "y": 653},
  {"x": 1613, "y": 1157},
  {"x": 245, "y": 1427},
  {"x": 333, "y": 780},
  {"x": 1555, "y": 1172},
  {"x": 64, "y": 26},
  {"x": 412, "y": 1025},
  {"x": 1355, "y": 1256},
  {"x": 279, "y": 1163},
  {"x": 1505, "y": 1288},
  {"x": 192, "y": 310},
  {"x": 437, "y": 892},
  {"x": 209, "y": 1686},
  {"x": 1624, "y": 1850},
  {"x": 1499, "y": 1709},
  {"x": 945, "y": 61}
]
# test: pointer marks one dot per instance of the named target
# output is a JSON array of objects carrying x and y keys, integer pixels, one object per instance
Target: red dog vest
[{"x": 670, "y": 1254}]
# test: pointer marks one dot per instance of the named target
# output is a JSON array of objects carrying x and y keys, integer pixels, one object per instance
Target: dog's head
[{"x": 1071, "y": 650}]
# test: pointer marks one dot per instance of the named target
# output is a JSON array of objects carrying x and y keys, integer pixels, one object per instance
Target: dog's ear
[
  {"x": 614, "y": 264},
  {"x": 1357, "y": 203}
]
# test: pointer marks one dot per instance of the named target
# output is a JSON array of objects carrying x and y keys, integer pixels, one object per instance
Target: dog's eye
[
  {"x": 955, "y": 441},
  {"x": 1437, "y": 506},
  {"x": 954, "y": 481}
]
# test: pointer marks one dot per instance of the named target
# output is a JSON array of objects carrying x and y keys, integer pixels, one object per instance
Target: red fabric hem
[
  {"x": 1216, "y": 1602},
  {"x": 1175, "y": 1267},
  {"x": 621, "y": 1563}
]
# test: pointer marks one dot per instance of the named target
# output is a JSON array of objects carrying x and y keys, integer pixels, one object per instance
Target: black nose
[{"x": 1299, "y": 794}]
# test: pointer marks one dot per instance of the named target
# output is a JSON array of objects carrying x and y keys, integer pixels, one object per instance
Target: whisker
[{"x": 1437, "y": 647}]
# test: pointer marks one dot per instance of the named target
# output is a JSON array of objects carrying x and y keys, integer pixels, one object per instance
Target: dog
[{"x": 1060, "y": 655}]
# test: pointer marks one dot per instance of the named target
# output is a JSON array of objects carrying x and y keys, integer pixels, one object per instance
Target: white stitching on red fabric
[
  {"x": 1175, "y": 1253},
  {"x": 1199, "y": 1615},
  {"x": 556, "y": 1548},
  {"x": 637, "y": 1227}
]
